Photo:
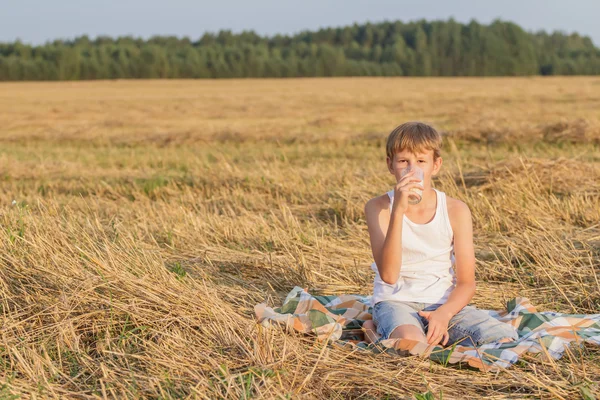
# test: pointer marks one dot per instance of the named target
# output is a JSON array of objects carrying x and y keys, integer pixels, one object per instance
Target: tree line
[{"x": 419, "y": 48}]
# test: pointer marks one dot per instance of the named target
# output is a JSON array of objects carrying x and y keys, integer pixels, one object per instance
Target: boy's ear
[
  {"x": 437, "y": 165},
  {"x": 388, "y": 161}
]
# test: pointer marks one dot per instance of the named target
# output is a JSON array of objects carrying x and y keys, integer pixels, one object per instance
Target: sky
[{"x": 38, "y": 21}]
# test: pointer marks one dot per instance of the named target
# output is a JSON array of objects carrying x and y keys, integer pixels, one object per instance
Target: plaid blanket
[{"x": 338, "y": 320}]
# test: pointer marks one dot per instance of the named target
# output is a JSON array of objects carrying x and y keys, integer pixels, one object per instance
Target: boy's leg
[
  {"x": 398, "y": 319},
  {"x": 474, "y": 327},
  {"x": 370, "y": 331}
]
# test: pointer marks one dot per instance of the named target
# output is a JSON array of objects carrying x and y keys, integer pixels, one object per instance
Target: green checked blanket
[{"x": 338, "y": 319}]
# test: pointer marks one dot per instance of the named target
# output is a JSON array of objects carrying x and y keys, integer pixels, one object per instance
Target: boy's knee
[
  {"x": 408, "y": 331},
  {"x": 369, "y": 325}
]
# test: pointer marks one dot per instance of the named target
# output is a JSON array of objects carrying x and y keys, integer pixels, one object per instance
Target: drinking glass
[{"x": 418, "y": 193}]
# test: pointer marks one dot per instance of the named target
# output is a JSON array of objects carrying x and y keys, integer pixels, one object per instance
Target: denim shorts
[{"x": 470, "y": 327}]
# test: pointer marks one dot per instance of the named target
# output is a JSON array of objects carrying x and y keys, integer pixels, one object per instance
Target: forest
[{"x": 418, "y": 48}]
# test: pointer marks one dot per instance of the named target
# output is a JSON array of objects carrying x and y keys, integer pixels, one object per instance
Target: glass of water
[{"x": 418, "y": 193}]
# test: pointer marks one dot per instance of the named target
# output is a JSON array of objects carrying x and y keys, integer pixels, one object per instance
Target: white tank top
[{"x": 426, "y": 273}]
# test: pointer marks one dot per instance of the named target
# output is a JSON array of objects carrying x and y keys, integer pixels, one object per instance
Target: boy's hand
[
  {"x": 437, "y": 329},
  {"x": 402, "y": 190}
]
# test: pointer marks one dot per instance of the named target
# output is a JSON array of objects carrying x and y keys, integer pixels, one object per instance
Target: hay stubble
[{"x": 151, "y": 216}]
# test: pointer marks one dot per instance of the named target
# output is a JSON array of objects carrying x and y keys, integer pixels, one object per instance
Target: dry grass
[{"x": 151, "y": 217}]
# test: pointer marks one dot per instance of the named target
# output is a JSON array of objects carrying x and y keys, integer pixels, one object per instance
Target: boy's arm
[
  {"x": 385, "y": 234},
  {"x": 464, "y": 253}
]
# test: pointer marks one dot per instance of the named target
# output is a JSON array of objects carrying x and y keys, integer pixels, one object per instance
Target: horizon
[
  {"x": 185, "y": 19},
  {"x": 291, "y": 34}
]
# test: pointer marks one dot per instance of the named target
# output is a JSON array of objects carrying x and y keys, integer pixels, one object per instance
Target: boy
[{"x": 424, "y": 255}]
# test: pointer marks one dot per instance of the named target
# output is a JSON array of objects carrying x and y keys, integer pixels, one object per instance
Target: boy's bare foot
[
  {"x": 370, "y": 331},
  {"x": 506, "y": 340}
]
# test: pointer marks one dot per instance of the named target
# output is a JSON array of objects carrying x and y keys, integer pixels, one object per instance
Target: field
[{"x": 143, "y": 220}]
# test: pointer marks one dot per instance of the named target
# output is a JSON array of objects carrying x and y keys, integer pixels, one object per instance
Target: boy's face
[{"x": 404, "y": 159}]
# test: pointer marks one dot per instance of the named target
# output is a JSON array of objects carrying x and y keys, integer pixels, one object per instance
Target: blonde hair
[{"x": 416, "y": 137}]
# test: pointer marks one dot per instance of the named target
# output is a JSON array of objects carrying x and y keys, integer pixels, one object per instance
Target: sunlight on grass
[{"x": 133, "y": 252}]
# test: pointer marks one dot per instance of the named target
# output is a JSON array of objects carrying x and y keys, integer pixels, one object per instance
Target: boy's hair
[{"x": 415, "y": 137}]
